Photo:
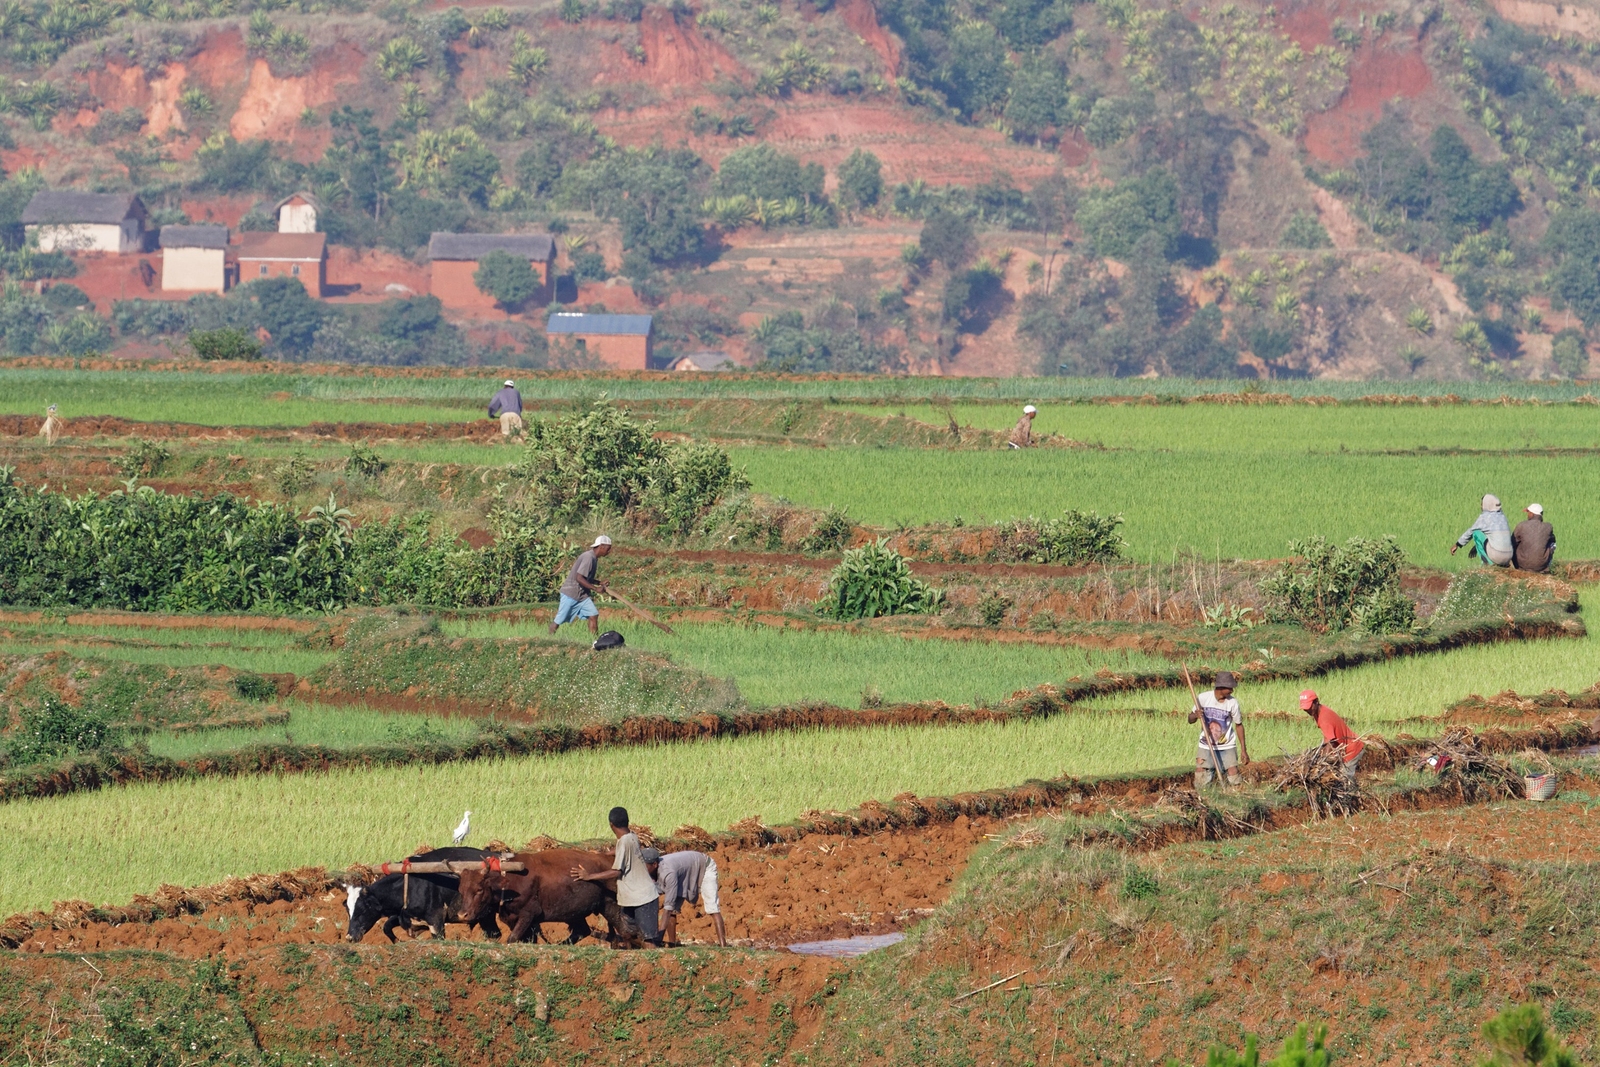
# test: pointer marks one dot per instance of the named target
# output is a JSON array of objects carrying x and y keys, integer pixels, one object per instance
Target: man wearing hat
[
  {"x": 1022, "y": 432},
  {"x": 576, "y": 599},
  {"x": 1222, "y": 744},
  {"x": 507, "y": 404},
  {"x": 1490, "y": 535},
  {"x": 1335, "y": 734},
  {"x": 1533, "y": 542}
]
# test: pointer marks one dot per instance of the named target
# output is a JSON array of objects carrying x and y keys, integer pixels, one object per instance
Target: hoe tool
[
  {"x": 637, "y": 610},
  {"x": 1205, "y": 729}
]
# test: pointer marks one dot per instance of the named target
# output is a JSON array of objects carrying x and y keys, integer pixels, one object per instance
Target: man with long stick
[
  {"x": 582, "y": 580},
  {"x": 1222, "y": 744}
]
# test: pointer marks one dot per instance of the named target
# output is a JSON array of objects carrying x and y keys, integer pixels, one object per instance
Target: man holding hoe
[
  {"x": 576, "y": 601},
  {"x": 1222, "y": 745}
]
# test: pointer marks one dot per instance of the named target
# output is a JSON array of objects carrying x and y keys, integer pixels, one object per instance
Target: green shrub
[
  {"x": 829, "y": 533},
  {"x": 1305, "y": 231},
  {"x": 295, "y": 473},
  {"x": 226, "y": 343},
  {"x": 1140, "y": 884},
  {"x": 1570, "y": 353},
  {"x": 509, "y": 279},
  {"x": 144, "y": 459},
  {"x": 400, "y": 561},
  {"x": 1520, "y": 1039},
  {"x": 1077, "y": 538},
  {"x": 252, "y": 686},
  {"x": 603, "y": 460},
  {"x": 56, "y": 728},
  {"x": 364, "y": 462},
  {"x": 875, "y": 580},
  {"x": 1329, "y": 586},
  {"x": 1303, "y": 1048},
  {"x": 993, "y": 608}
]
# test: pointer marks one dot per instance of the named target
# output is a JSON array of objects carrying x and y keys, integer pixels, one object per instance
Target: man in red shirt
[{"x": 1335, "y": 733}]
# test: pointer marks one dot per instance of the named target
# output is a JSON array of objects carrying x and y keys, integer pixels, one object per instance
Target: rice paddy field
[{"x": 1213, "y": 481}]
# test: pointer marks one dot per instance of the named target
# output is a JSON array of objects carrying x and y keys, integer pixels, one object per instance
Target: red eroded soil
[
  {"x": 678, "y": 56},
  {"x": 862, "y": 17},
  {"x": 1380, "y": 72},
  {"x": 822, "y": 886},
  {"x": 271, "y": 106}
]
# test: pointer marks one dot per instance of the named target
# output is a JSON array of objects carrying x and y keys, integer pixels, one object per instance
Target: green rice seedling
[
  {"x": 1379, "y": 696},
  {"x": 1246, "y": 505},
  {"x": 314, "y": 724}
]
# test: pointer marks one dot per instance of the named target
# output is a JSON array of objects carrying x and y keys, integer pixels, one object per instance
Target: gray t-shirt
[
  {"x": 680, "y": 874},
  {"x": 587, "y": 564},
  {"x": 635, "y": 887}
]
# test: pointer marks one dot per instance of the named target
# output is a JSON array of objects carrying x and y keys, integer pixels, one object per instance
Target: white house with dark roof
[
  {"x": 297, "y": 213},
  {"x": 61, "y": 220},
  {"x": 454, "y": 259},
  {"x": 194, "y": 258}
]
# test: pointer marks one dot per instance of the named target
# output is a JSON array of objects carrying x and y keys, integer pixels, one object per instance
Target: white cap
[
  {"x": 511, "y": 383},
  {"x": 1030, "y": 410},
  {"x": 1536, "y": 509},
  {"x": 1491, "y": 502},
  {"x": 601, "y": 540}
]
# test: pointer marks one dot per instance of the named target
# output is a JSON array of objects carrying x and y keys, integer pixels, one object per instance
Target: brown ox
[{"x": 545, "y": 893}]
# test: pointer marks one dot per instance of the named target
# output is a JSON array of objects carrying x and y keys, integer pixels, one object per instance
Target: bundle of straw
[
  {"x": 1320, "y": 773},
  {"x": 1215, "y": 823},
  {"x": 1472, "y": 773}
]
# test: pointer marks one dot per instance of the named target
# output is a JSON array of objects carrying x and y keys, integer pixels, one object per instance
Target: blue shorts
[{"x": 575, "y": 609}]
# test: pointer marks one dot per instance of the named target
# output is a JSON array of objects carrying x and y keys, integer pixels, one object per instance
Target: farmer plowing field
[{"x": 1222, "y": 745}]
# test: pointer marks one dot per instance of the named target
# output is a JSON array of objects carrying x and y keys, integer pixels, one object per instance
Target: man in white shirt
[{"x": 1222, "y": 745}]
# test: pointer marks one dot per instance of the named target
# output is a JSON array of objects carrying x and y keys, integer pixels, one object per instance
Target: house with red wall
[
  {"x": 620, "y": 341},
  {"x": 453, "y": 258},
  {"x": 293, "y": 255}
]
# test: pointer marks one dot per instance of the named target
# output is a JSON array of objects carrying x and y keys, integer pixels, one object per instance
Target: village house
[
  {"x": 619, "y": 341},
  {"x": 702, "y": 361},
  {"x": 294, "y": 255},
  {"x": 61, "y": 220},
  {"x": 194, "y": 258},
  {"x": 454, "y": 258},
  {"x": 297, "y": 213}
]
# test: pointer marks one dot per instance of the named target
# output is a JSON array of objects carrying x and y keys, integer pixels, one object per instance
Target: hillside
[{"x": 1340, "y": 189}]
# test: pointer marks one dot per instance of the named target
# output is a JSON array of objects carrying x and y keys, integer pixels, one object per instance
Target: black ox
[{"x": 432, "y": 899}]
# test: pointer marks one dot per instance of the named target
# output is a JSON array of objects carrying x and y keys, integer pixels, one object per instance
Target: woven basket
[{"x": 1539, "y": 786}]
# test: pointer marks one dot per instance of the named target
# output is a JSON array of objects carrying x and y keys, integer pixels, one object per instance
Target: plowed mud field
[{"x": 822, "y": 886}]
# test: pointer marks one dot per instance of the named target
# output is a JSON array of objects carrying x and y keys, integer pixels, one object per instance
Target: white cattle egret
[{"x": 462, "y": 830}]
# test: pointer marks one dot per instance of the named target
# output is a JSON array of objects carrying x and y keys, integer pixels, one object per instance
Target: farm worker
[
  {"x": 576, "y": 603},
  {"x": 1022, "y": 432},
  {"x": 637, "y": 893},
  {"x": 1490, "y": 535},
  {"x": 687, "y": 876},
  {"x": 1533, "y": 541},
  {"x": 1335, "y": 734},
  {"x": 507, "y": 404},
  {"x": 1222, "y": 741}
]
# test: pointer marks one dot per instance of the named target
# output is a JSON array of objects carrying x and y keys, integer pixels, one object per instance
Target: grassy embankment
[{"x": 1161, "y": 956}]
